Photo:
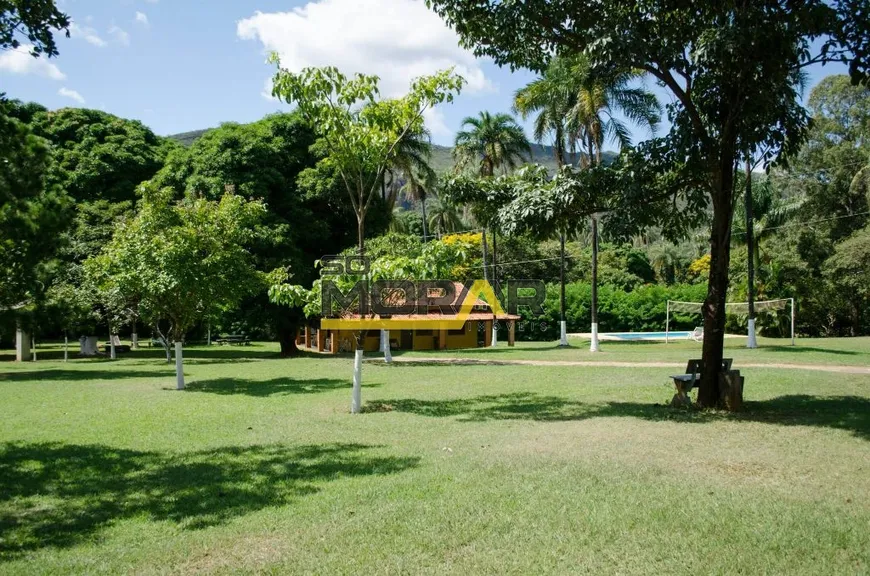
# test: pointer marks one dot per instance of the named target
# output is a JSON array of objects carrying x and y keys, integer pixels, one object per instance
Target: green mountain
[{"x": 442, "y": 156}]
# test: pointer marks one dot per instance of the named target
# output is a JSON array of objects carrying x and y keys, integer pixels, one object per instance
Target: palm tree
[
  {"x": 410, "y": 162},
  {"x": 551, "y": 98},
  {"x": 420, "y": 183},
  {"x": 580, "y": 110},
  {"x": 486, "y": 144},
  {"x": 490, "y": 142},
  {"x": 444, "y": 218}
]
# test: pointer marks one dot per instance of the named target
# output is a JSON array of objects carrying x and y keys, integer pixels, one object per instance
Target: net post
[
  {"x": 667, "y": 321},
  {"x": 792, "y": 321}
]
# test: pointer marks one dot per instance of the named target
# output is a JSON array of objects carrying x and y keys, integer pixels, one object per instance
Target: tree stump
[{"x": 731, "y": 390}]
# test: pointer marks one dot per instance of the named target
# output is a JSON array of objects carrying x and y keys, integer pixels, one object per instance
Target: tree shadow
[
  {"x": 851, "y": 413},
  {"x": 794, "y": 349},
  {"x": 275, "y": 386},
  {"x": 54, "y": 494},
  {"x": 84, "y": 374}
]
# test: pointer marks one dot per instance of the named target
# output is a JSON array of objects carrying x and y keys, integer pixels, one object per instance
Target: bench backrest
[{"x": 697, "y": 366}]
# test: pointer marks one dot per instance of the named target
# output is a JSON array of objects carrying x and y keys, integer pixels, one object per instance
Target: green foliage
[
  {"x": 489, "y": 143},
  {"x": 181, "y": 261},
  {"x": 849, "y": 271},
  {"x": 639, "y": 310},
  {"x": 31, "y": 23},
  {"x": 361, "y": 134},
  {"x": 98, "y": 155},
  {"x": 32, "y": 213}
]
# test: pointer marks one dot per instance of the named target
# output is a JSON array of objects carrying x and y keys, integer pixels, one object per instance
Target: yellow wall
[
  {"x": 423, "y": 342},
  {"x": 348, "y": 338},
  {"x": 466, "y": 340}
]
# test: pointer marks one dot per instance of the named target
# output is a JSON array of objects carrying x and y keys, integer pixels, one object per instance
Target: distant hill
[
  {"x": 188, "y": 138},
  {"x": 442, "y": 156}
]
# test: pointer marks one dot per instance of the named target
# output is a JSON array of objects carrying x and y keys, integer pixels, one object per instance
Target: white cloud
[
  {"x": 396, "y": 39},
  {"x": 119, "y": 35},
  {"x": 87, "y": 34},
  {"x": 434, "y": 119},
  {"x": 72, "y": 94},
  {"x": 19, "y": 61},
  {"x": 141, "y": 18}
]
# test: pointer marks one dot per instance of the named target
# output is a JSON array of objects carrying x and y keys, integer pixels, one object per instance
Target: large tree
[
  {"x": 32, "y": 215},
  {"x": 361, "y": 134},
  {"x": 306, "y": 216},
  {"x": 180, "y": 261},
  {"x": 733, "y": 67}
]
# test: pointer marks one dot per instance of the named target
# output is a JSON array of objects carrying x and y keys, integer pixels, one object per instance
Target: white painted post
[
  {"x": 356, "y": 397},
  {"x": 751, "y": 341},
  {"x": 22, "y": 345},
  {"x": 593, "y": 345},
  {"x": 179, "y": 367},
  {"x": 385, "y": 346},
  {"x": 563, "y": 333},
  {"x": 667, "y": 322},
  {"x": 792, "y": 321}
]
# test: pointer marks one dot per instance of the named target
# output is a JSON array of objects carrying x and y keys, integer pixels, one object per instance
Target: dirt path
[{"x": 476, "y": 361}]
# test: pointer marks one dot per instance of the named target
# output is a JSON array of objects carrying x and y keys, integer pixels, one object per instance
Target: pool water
[{"x": 647, "y": 335}]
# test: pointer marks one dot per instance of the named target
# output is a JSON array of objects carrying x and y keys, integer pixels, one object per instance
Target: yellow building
[{"x": 475, "y": 333}]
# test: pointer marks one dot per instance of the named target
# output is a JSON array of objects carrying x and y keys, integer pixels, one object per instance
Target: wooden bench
[
  {"x": 233, "y": 339},
  {"x": 685, "y": 382}
]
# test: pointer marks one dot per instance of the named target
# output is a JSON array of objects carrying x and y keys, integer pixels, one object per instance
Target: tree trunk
[
  {"x": 356, "y": 395},
  {"x": 361, "y": 236},
  {"x": 179, "y": 366},
  {"x": 750, "y": 265},
  {"x": 563, "y": 323},
  {"x": 423, "y": 203},
  {"x": 287, "y": 338},
  {"x": 717, "y": 287},
  {"x": 494, "y": 261},
  {"x": 593, "y": 344},
  {"x": 483, "y": 248}
]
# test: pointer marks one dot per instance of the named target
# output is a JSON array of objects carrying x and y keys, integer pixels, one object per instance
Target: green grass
[
  {"x": 258, "y": 466},
  {"x": 837, "y": 351}
]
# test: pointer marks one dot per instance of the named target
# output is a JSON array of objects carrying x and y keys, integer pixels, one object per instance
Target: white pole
[
  {"x": 179, "y": 367},
  {"x": 751, "y": 341},
  {"x": 33, "y": 344},
  {"x": 385, "y": 346},
  {"x": 356, "y": 396},
  {"x": 65, "y": 347},
  {"x": 593, "y": 345},
  {"x": 792, "y": 321},
  {"x": 667, "y": 321}
]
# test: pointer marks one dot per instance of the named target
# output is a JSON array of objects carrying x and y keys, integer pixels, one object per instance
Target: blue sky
[{"x": 180, "y": 65}]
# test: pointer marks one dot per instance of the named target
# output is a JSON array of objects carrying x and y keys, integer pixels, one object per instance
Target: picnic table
[{"x": 233, "y": 339}]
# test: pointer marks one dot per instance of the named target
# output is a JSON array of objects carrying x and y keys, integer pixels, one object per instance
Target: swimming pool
[{"x": 646, "y": 335}]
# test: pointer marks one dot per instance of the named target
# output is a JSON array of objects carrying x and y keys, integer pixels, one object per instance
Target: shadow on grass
[
  {"x": 271, "y": 387},
  {"x": 54, "y": 494},
  {"x": 794, "y": 349},
  {"x": 850, "y": 413},
  {"x": 83, "y": 374}
]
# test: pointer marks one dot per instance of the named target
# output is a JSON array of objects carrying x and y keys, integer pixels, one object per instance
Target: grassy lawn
[
  {"x": 258, "y": 466},
  {"x": 842, "y": 351}
]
